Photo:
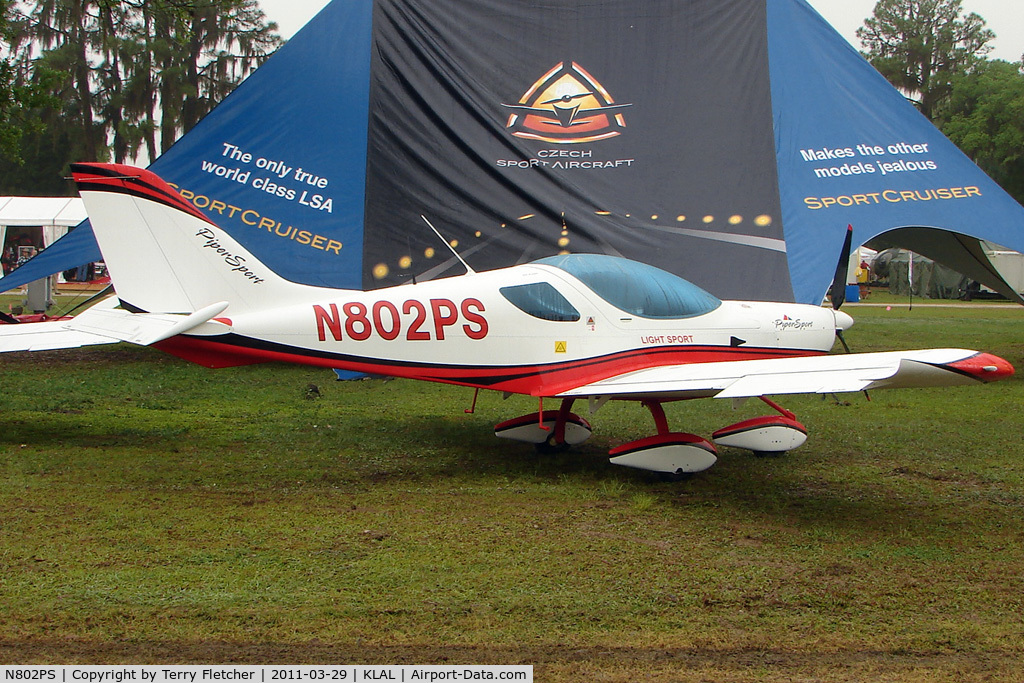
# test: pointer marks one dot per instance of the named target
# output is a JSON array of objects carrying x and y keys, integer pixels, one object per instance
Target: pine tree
[{"x": 920, "y": 46}]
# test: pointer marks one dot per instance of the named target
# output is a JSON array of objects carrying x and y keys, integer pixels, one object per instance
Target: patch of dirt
[{"x": 103, "y": 354}]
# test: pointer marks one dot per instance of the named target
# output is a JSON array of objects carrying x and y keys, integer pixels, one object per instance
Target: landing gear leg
[
  {"x": 556, "y": 443},
  {"x": 658, "y": 413}
]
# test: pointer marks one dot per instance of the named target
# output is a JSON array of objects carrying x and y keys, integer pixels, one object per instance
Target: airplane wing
[
  {"x": 103, "y": 324},
  {"x": 805, "y": 375}
]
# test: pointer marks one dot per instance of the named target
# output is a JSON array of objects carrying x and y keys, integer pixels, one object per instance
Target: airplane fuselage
[
  {"x": 532, "y": 329},
  {"x": 572, "y": 326}
]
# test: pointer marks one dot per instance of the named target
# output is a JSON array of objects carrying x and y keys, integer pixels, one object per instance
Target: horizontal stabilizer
[
  {"x": 46, "y": 337},
  {"x": 104, "y": 324},
  {"x": 142, "y": 328}
]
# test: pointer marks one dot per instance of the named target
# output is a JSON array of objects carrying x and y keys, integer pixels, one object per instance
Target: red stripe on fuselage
[{"x": 535, "y": 380}]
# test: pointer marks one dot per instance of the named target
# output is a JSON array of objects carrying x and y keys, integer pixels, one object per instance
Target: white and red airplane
[{"x": 569, "y": 327}]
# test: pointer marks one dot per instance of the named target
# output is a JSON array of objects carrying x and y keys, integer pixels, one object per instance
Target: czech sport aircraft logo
[{"x": 566, "y": 105}]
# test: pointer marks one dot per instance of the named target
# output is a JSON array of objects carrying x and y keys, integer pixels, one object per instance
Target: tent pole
[{"x": 910, "y": 276}]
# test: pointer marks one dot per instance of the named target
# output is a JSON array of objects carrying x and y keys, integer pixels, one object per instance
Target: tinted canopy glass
[
  {"x": 541, "y": 300},
  {"x": 636, "y": 288}
]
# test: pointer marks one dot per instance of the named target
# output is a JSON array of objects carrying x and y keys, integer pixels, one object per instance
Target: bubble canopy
[{"x": 636, "y": 288}]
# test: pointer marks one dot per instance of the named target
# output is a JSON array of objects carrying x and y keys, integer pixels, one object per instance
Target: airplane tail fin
[{"x": 163, "y": 254}]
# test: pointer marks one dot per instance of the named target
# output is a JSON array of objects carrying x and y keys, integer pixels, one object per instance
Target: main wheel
[
  {"x": 671, "y": 477},
  {"x": 551, "y": 447}
]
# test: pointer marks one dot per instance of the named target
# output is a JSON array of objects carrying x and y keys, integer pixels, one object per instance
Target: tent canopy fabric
[
  {"x": 927, "y": 278},
  {"x": 33, "y": 211},
  {"x": 74, "y": 249},
  {"x": 55, "y": 215},
  {"x": 730, "y": 142}
]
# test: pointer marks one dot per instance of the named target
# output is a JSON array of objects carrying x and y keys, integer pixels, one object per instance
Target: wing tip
[{"x": 984, "y": 367}]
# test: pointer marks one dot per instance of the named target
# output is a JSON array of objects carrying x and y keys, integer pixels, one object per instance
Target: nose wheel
[{"x": 764, "y": 436}]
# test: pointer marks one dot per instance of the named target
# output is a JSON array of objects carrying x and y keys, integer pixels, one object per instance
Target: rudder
[{"x": 163, "y": 254}]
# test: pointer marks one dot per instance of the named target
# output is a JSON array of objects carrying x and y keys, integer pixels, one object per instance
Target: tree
[
  {"x": 68, "y": 32},
  {"x": 20, "y": 98},
  {"x": 920, "y": 46},
  {"x": 46, "y": 152},
  {"x": 128, "y": 70},
  {"x": 18, "y": 101},
  {"x": 985, "y": 119},
  {"x": 212, "y": 46}
]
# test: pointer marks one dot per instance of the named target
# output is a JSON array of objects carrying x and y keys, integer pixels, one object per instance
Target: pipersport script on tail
[{"x": 236, "y": 262}]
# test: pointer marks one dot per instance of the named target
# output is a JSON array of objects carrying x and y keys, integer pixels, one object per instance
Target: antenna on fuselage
[{"x": 448, "y": 244}]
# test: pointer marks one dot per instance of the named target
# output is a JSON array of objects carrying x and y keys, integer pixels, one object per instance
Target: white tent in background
[
  {"x": 1009, "y": 263},
  {"x": 51, "y": 215}
]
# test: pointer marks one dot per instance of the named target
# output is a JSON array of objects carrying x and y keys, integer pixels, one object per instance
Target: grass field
[{"x": 153, "y": 512}]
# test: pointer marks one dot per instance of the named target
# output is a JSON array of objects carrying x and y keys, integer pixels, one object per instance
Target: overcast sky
[{"x": 1005, "y": 17}]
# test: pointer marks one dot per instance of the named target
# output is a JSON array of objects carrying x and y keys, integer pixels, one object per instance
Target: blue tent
[{"x": 728, "y": 141}]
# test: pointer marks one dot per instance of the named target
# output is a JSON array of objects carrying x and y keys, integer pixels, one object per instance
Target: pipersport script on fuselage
[
  {"x": 382, "y": 319},
  {"x": 787, "y": 323},
  {"x": 236, "y": 262}
]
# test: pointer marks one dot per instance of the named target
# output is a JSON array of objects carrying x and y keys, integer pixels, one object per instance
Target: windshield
[{"x": 636, "y": 288}]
